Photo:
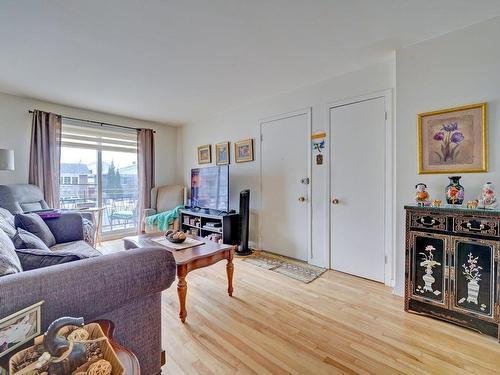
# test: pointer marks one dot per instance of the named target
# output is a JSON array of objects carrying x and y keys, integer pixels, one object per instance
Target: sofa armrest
[
  {"x": 66, "y": 228},
  {"x": 90, "y": 287},
  {"x": 148, "y": 212}
]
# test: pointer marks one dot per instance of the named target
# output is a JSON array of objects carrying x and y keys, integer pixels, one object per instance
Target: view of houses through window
[{"x": 99, "y": 169}]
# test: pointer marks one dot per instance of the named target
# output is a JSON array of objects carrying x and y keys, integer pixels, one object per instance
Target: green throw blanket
[{"x": 164, "y": 219}]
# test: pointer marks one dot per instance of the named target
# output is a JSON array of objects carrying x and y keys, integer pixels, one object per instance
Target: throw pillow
[
  {"x": 7, "y": 215},
  {"x": 9, "y": 262},
  {"x": 26, "y": 240},
  {"x": 7, "y": 227},
  {"x": 38, "y": 258},
  {"x": 33, "y": 223}
]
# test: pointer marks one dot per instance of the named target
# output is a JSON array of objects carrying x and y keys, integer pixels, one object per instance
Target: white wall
[
  {"x": 459, "y": 68},
  {"x": 15, "y": 133},
  {"x": 244, "y": 123}
]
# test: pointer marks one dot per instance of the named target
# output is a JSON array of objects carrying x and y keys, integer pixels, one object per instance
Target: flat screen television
[{"x": 210, "y": 188}]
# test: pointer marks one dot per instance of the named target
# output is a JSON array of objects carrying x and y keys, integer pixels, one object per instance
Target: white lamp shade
[{"x": 6, "y": 160}]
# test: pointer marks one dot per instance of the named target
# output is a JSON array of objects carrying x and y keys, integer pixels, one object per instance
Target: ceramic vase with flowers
[
  {"x": 454, "y": 191},
  {"x": 488, "y": 198},
  {"x": 471, "y": 271},
  {"x": 429, "y": 263}
]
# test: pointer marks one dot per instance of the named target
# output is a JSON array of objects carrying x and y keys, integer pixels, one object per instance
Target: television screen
[{"x": 210, "y": 188}]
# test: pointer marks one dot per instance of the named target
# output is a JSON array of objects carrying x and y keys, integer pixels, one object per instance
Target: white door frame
[
  {"x": 389, "y": 240},
  {"x": 301, "y": 112}
]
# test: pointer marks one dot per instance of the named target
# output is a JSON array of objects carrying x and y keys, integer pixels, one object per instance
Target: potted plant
[
  {"x": 471, "y": 273},
  {"x": 429, "y": 263}
]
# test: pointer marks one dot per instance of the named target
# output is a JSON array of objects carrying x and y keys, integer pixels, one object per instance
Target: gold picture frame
[
  {"x": 243, "y": 151},
  {"x": 26, "y": 324},
  {"x": 453, "y": 140},
  {"x": 205, "y": 154},
  {"x": 222, "y": 154}
]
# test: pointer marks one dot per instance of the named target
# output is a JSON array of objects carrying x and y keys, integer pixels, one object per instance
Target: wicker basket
[{"x": 95, "y": 332}]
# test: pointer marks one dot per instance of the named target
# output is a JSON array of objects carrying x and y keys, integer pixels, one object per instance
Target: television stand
[{"x": 217, "y": 225}]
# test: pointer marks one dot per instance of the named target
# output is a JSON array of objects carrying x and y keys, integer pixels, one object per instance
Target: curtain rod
[{"x": 98, "y": 122}]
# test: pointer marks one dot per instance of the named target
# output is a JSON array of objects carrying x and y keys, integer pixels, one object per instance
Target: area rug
[{"x": 292, "y": 268}]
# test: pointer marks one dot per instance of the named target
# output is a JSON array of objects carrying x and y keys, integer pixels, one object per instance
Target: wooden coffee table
[{"x": 188, "y": 260}]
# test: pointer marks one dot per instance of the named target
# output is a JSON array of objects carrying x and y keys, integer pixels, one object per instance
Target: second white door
[
  {"x": 285, "y": 200},
  {"x": 358, "y": 191}
]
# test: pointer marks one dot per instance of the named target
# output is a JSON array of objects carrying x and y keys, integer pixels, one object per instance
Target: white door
[
  {"x": 358, "y": 188},
  {"x": 285, "y": 200}
]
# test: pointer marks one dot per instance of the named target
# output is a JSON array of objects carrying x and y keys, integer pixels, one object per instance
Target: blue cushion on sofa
[
  {"x": 33, "y": 223},
  {"x": 26, "y": 240},
  {"x": 36, "y": 258}
]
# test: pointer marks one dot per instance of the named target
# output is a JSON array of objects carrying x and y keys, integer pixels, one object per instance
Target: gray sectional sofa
[{"x": 124, "y": 287}]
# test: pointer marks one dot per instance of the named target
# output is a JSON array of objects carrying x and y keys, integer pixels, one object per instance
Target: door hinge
[
  {"x": 386, "y": 115},
  {"x": 385, "y": 259},
  {"x": 261, "y": 137}
]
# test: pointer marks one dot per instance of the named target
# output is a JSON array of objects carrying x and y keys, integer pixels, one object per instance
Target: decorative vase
[
  {"x": 428, "y": 280},
  {"x": 472, "y": 291},
  {"x": 454, "y": 191}
]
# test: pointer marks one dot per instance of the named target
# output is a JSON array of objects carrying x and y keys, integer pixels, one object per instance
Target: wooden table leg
[
  {"x": 230, "y": 271},
  {"x": 182, "y": 292}
]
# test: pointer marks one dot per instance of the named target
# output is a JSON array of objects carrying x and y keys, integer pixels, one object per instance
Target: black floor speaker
[{"x": 243, "y": 248}]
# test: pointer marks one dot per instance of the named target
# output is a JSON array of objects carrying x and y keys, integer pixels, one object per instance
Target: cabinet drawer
[
  {"x": 479, "y": 226},
  {"x": 428, "y": 221}
]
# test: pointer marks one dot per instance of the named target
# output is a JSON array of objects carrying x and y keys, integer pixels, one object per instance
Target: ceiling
[{"x": 176, "y": 61}]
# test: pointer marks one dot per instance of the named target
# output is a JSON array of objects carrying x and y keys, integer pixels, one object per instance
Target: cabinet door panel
[
  {"x": 429, "y": 261},
  {"x": 474, "y": 283}
]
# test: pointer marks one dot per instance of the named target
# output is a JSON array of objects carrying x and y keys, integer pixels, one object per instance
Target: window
[{"x": 99, "y": 169}]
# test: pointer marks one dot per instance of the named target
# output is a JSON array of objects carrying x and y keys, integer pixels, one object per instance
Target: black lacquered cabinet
[{"x": 452, "y": 265}]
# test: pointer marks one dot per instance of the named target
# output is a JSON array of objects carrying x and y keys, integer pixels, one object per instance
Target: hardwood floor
[{"x": 338, "y": 324}]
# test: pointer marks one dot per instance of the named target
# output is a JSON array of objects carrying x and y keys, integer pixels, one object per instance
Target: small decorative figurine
[
  {"x": 436, "y": 202},
  {"x": 421, "y": 195},
  {"x": 472, "y": 204},
  {"x": 488, "y": 199},
  {"x": 454, "y": 191}
]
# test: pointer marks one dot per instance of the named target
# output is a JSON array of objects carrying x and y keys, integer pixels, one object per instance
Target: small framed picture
[
  {"x": 453, "y": 140},
  {"x": 205, "y": 154},
  {"x": 222, "y": 153},
  {"x": 243, "y": 151},
  {"x": 20, "y": 327}
]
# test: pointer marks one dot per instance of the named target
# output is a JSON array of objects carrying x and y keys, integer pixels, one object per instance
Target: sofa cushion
[
  {"x": 79, "y": 248},
  {"x": 26, "y": 240},
  {"x": 7, "y": 216},
  {"x": 9, "y": 262},
  {"x": 38, "y": 258},
  {"x": 33, "y": 223},
  {"x": 31, "y": 206},
  {"x": 5, "y": 226}
]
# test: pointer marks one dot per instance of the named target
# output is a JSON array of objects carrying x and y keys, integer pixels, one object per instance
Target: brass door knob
[
  {"x": 335, "y": 201},
  {"x": 302, "y": 199}
]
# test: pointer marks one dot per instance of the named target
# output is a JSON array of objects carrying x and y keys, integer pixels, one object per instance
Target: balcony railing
[{"x": 120, "y": 204}]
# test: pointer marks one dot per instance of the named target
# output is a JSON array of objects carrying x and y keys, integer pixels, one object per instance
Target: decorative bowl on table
[{"x": 175, "y": 236}]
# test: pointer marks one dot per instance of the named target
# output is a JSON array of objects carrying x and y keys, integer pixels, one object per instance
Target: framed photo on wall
[
  {"x": 453, "y": 140},
  {"x": 222, "y": 156},
  {"x": 243, "y": 151},
  {"x": 205, "y": 154},
  {"x": 20, "y": 327}
]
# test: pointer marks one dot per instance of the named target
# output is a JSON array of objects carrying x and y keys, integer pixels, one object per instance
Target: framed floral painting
[
  {"x": 205, "y": 154},
  {"x": 222, "y": 153},
  {"x": 453, "y": 140}
]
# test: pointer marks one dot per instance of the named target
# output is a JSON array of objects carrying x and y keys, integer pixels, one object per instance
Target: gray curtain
[
  {"x": 146, "y": 169},
  {"x": 45, "y": 155}
]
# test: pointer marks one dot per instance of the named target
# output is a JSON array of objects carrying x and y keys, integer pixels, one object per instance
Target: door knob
[
  {"x": 335, "y": 201},
  {"x": 302, "y": 199}
]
